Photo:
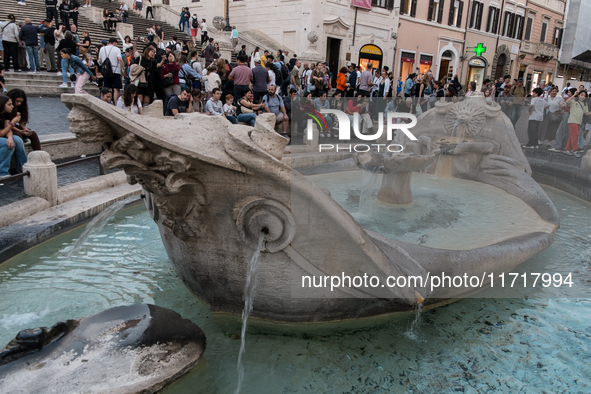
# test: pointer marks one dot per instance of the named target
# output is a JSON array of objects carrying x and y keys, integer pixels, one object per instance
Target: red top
[
  {"x": 352, "y": 109},
  {"x": 173, "y": 68}
]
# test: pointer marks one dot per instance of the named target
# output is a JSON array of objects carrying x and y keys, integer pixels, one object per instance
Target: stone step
[
  {"x": 26, "y": 76},
  {"x": 53, "y": 91}
]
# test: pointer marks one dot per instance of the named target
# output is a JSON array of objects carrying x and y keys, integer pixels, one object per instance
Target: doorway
[
  {"x": 333, "y": 53},
  {"x": 501, "y": 61},
  {"x": 446, "y": 67}
]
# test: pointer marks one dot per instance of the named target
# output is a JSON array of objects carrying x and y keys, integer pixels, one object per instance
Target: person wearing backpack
[
  {"x": 188, "y": 75},
  {"x": 194, "y": 23},
  {"x": 519, "y": 92},
  {"x": 408, "y": 84},
  {"x": 111, "y": 65}
]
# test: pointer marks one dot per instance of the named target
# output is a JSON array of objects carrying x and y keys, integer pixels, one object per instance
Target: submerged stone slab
[{"x": 126, "y": 349}]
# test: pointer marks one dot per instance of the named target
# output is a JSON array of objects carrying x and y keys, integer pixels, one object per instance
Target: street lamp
[{"x": 228, "y": 27}]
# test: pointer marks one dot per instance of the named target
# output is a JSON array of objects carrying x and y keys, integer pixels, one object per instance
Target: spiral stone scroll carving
[
  {"x": 255, "y": 214},
  {"x": 89, "y": 127}
]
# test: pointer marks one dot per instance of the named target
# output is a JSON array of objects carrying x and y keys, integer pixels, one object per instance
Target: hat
[
  {"x": 294, "y": 55},
  {"x": 104, "y": 42},
  {"x": 112, "y": 40},
  {"x": 520, "y": 80},
  {"x": 507, "y": 86},
  {"x": 11, "y": 17}
]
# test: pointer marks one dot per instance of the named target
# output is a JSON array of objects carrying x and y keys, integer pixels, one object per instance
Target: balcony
[{"x": 545, "y": 52}]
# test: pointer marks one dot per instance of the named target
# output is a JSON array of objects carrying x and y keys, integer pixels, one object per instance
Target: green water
[{"x": 474, "y": 345}]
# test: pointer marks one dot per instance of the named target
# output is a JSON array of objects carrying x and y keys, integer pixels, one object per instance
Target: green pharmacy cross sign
[{"x": 480, "y": 49}]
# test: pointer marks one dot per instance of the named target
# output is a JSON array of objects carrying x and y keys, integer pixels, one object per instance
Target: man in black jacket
[
  {"x": 352, "y": 81},
  {"x": 29, "y": 34},
  {"x": 65, "y": 8},
  {"x": 51, "y": 10},
  {"x": 49, "y": 37},
  {"x": 74, "y": 5}
]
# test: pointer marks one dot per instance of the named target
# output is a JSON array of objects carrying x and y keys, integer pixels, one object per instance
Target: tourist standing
[
  {"x": 234, "y": 38},
  {"x": 64, "y": 10},
  {"x": 169, "y": 73},
  {"x": 194, "y": 23},
  {"x": 30, "y": 35},
  {"x": 241, "y": 75},
  {"x": 536, "y": 116},
  {"x": 578, "y": 109},
  {"x": 149, "y": 9},
  {"x": 260, "y": 79},
  {"x": 203, "y": 26},
  {"x": 74, "y": 6},
  {"x": 295, "y": 78},
  {"x": 366, "y": 81},
  {"x": 553, "y": 117},
  {"x": 10, "y": 34},
  {"x": 112, "y": 53},
  {"x": 51, "y": 10},
  {"x": 519, "y": 92}
]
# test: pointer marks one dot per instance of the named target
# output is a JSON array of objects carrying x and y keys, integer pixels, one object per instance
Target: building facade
[
  {"x": 430, "y": 37},
  {"x": 544, "y": 28},
  {"x": 339, "y": 32},
  {"x": 575, "y": 50},
  {"x": 494, "y": 30}
]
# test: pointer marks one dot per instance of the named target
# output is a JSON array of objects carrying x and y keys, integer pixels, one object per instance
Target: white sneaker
[
  {"x": 322, "y": 135},
  {"x": 37, "y": 72},
  {"x": 32, "y": 72},
  {"x": 72, "y": 84},
  {"x": 64, "y": 85},
  {"x": 59, "y": 73}
]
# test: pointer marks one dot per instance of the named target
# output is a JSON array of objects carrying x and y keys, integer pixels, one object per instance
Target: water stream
[
  {"x": 369, "y": 180},
  {"x": 249, "y": 293},
  {"x": 413, "y": 331},
  {"x": 95, "y": 226}
]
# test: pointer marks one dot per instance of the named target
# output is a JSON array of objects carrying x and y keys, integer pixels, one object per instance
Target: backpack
[
  {"x": 428, "y": 90},
  {"x": 195, "y": 23},
  {"x": 189, "y": 79},
  {"x": 278, "y": 76},
  {"x": 414, "y": 91},
  {"x": 171, "y": 46},
  {"x": 106, "y": 69},
  {"x": 284, "y": 72}
]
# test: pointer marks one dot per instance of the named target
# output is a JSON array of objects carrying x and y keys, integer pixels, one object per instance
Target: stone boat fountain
[{"x": 213, "y": 187}]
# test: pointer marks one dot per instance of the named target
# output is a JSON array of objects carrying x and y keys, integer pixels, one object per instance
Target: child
[
  {"x": 229, "y": 109},
  {"x": 536, "y": 116}
]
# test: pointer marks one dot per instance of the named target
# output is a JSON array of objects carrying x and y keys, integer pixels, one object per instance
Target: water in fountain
[
  {"x": 487, "y": 345},
  {"x": 369, "y": 180},
  {"x": 95, "y": 226},
  {"x": 249, "y": 293}
]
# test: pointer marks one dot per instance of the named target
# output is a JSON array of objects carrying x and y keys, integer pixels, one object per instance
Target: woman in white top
[
  {"x": 271, "y": 75},
  {"x": 553, "y": 118},
  {"x": 255, "y": 55},
  {"x": 130, "y": 101},
  {"x": 213, "y": 80}
]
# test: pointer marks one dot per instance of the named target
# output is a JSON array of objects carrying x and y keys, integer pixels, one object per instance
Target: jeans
[
  {"x": 516, "y": 114},
  {"x": 6, "y": 155},
  {"x": 33, "y": 53},
  {"x": 582, "y": 137},
  {"x": 51, "y": 14},
  {"x": 181, "y": 23},
  {"x": 187, "y": 28},
  {"x": 247, "y": 118},
  {"x": 232, "y": 119},
  {"x": 65, "y": 64}
]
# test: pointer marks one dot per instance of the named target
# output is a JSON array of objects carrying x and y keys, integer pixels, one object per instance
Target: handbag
[
  {"x": 554, "y": 117},
  {"x": 168, "y": 81}
]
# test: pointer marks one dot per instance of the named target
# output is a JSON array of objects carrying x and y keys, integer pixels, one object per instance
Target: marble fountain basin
[{"x": 213, "y": 187}]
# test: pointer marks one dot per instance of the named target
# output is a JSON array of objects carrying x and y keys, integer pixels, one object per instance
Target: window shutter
[
  {"x": 543, "y": 35},
  {"x": 520, "y": 30},
  {"x": 451, "y": 15},
  {"x": 479, "y": 16},
  {"x": 402, "y": 6},
  {"x": 489, "y": 19},
  {"x": 495, "y": 22},
  {"x": 431, "y": 6},
  {"x": 390, "y": 5},
  {"x": 460, "y": 9},
  {"x": 413, "y": 8},
  {"x": 559, "y": 40},
  {"x": 440, "y": 15},
  {"x": 473, "y": 15},
  {"x": 528, "y": 29}
]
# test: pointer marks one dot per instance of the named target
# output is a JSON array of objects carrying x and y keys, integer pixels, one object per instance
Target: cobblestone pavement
[{"x": 48, "y": 115}]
